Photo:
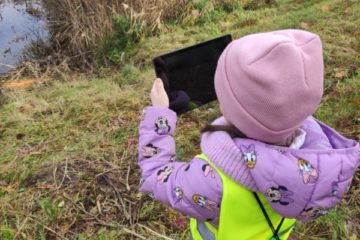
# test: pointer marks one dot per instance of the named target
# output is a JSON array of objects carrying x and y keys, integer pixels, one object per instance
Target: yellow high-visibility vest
[{"x": 241, "y": 217}]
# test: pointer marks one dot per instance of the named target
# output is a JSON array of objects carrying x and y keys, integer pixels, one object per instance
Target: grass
[{"x": 69, "y": 148}]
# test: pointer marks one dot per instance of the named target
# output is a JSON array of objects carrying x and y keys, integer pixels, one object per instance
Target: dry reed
[{"x": 78, "y": 27}]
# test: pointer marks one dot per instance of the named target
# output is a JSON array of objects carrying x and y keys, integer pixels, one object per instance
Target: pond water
[{"x": 22, "y": 22}]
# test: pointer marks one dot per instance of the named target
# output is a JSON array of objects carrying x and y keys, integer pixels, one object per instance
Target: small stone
[
  {"x": 61, "y": 204},
  {"x": 3, "y": 183}
]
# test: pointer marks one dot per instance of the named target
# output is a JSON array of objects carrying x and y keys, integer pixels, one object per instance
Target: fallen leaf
[
  {"x": 340, "y": 74},
  {"x": 94, "y": 210},
  {"x": 195, "y": 13},
  {"x": 180, "y": 221},
  {"x": 8, "y": 189},
  {"x": 347, "y": 11},
  {"x": 50, "y": 186},
  {"x": 18, "y": 84},
  {"x": 304, "y": 25},
  {"x": 139, "y": 195},
  {"x": 98, "y": 204},
  {"x": 125, "y": 6},
  {"x": 325, "y": 8},
  {"x": 61, "y": 204},
  {"x": 132, "y": 141},
  {"x": 106, "y": 218},
  {"x": 20, "y": 136}
]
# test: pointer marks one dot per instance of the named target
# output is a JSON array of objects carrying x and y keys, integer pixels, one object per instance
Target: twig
[
  {"x": 107, "y": 171},
  {"x": 153, "y": 232},
  {"x": 127, "y": 179},
  {"x": 130, "y": 217},
  {"x": 123, "y": 157},
  {"x": 115, "y": 202},
  {"x": 64, "y": 175},
  {"x": 46, "y": 227},
  {"x": 109, "y": 163},
  {"x": 133, "y": 233},
  {"x": 103, "y": 174},
  {"x": 115, "y": 157},
  {"x": 101, "y": 222},
  {"x": 54, "y": 175},
  {"x": 119, "y": 226},
  {"x": 21, "y": 227},
  {"x": 118, "y": 196}
]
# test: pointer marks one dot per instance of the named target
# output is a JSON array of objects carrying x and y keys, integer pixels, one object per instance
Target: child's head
[{"x": 269, "y": 83}]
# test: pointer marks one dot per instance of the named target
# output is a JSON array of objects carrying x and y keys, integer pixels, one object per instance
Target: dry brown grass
[
  {"x": 84, "y": 34},
  {"x": 79, "y": 28}
]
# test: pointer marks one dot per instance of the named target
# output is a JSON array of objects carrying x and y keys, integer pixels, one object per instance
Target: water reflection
[{"x": 21, "y": 23}]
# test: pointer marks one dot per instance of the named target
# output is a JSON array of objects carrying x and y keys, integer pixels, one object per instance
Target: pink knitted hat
[{"x": 267, "y": 84}]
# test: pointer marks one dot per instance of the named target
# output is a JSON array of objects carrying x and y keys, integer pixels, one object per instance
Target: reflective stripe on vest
[
  {"x": 201, "y": 230},
  {"x": 241, "y": 217}
]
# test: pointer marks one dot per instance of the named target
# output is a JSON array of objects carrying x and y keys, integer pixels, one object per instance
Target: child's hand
[{"x": 158, "y": 95}]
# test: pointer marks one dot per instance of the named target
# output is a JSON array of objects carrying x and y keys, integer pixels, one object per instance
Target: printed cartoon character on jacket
[
  {"x": 208, "y": 170},
  {"x": 173, "y": 158},
  {"x": 335, "y": 189},
  {"x": 307, "y": 170},
  {"x": 280, "y": 195},
  {"x": 142, "y": 180},
  {"x": 150, "y": 150},
  {"x": 151, "y": 195},
  {"x": 249, "y": 155},
  {"x": 204, "y": 202},
  {"x": 161, "y": 126},
  {"x": 313, "y": 212},
  {"x": 164, "y": 174},
  {"x": 178, "y": 193}
]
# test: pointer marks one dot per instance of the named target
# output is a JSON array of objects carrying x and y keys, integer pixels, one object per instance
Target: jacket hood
[{"x": 298, "y": 183}]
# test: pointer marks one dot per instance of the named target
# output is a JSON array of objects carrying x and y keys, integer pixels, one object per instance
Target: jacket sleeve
[{"x": 193, "y": 188}]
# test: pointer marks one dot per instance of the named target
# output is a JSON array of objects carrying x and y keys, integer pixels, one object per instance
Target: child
[{"x": 267, "y": 161}]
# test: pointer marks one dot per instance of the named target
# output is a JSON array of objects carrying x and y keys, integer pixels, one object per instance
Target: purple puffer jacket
[{"x": 298, "y": 183}]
